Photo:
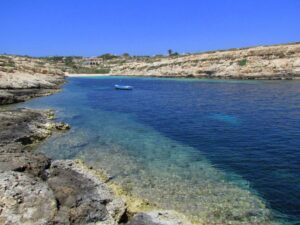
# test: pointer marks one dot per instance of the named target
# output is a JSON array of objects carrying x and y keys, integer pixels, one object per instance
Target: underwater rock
[
  {"x": 229, "y": 119},
  {"x": 159, "y": 218}
]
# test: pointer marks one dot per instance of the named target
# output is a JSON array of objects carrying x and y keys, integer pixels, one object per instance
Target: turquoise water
[{"x": 218, "y": 151}]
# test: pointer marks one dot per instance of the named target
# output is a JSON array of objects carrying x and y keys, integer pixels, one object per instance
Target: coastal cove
[
  {"x": 215, "y": 150},
  {"x": 150, "y": 112}
]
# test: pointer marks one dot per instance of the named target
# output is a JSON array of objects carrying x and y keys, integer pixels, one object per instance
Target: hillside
[
  {"x": 271, "y": 62},
  {"x": 262, "y": 62}
]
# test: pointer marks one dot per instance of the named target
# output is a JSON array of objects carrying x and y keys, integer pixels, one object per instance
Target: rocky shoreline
[
  {"x": 36, "y": 190},
  {"x": 19, "y": 87}
]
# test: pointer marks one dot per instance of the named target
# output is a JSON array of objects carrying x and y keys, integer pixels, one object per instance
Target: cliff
[
  {"x": 262, "y": 62},
  {"x": 265, "y": 62},
  {"x": 22, "y": 78}
]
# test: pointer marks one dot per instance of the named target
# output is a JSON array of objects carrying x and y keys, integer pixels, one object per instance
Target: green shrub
[
  {"x": 102, "y": 70},
  {"x": 242, "y": 62},
  {"x": 69, "y": 61},
  {"x": 107, "y": 56},
  {"x": 55, "y": 58}
]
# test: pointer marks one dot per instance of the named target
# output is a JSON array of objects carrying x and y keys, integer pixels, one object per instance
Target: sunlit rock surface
[
  {"x": 25, "y": 199},
  {"x": 82, "y": 197}
]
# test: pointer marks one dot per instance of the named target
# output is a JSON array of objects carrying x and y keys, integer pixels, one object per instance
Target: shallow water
[{"x": 215, "y": 150}]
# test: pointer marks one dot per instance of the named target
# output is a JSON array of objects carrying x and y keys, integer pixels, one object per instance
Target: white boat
[{"x": 123, "y": 87}]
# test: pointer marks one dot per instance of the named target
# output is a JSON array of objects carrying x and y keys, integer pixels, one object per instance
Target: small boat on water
[{"x": 123, "y": 87}]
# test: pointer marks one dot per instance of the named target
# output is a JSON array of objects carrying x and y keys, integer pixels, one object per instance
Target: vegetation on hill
[{"x": 242, "y": 62}]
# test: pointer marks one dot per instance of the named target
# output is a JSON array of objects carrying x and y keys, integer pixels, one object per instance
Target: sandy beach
[{"x": 88, "y": 75}]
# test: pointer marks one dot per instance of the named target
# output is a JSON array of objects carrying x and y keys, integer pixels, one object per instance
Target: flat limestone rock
[
  {"x": 34, "y": 163},
  {"x": 23, "y": 126},
  {"x": 20, "y": 86},
  {"x": 21, "y": 80},
  {"x": 159, "y": 218},
  {"x": 25, "y": 199},
  {"x": 83, "y": 198},
  {"x": 9, "y": 96}
]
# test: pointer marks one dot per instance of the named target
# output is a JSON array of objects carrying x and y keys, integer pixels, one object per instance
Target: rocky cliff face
[
  {"x": 22, "y": 78},
  {"x": 266, "y": 62}
]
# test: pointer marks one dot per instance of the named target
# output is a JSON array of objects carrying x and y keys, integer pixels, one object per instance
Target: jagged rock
[
  {"x": 82, "y": 197},
  {"x": 34, "y": 163},
  {"x": 6, "y": 97},
  {"x": 25, "y": 199},
  {"x": 23, "y": 126},
  {"x": 62, "y": 126},
  {"x": 159, "y": 218},
  {"x": 20, "y": 128},
  {"x": 9, "y": 96}
]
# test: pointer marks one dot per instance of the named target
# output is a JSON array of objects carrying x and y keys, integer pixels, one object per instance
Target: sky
[{"x": 143, "y": 27}]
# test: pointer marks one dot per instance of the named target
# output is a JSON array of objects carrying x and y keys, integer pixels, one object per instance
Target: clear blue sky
[{"x": 94, "y": 27}]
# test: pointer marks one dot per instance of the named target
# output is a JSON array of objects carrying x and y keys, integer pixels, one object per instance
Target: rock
[
  {"x": 19, "y": 86},
  {"x": 159, "y": 218},
  {"x": 9, "y": 96},
  {"x": 82, "y": 197},
  {"x": 25, "y": 199},
  {"x": 34, "y": 163},
  {"x": 62, "y": 126},
  {"x": 19, "y": 129},
  {"x": 23, "y": 126},
  {"x": 6, "y": 97},
  {"x": 23, "y": 80}
]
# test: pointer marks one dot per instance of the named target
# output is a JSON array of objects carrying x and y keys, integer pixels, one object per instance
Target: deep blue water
[{"x": 248, "y": 130}]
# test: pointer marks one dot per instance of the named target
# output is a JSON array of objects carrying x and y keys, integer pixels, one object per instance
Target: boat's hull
[{"x": 125, "y": 88}]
